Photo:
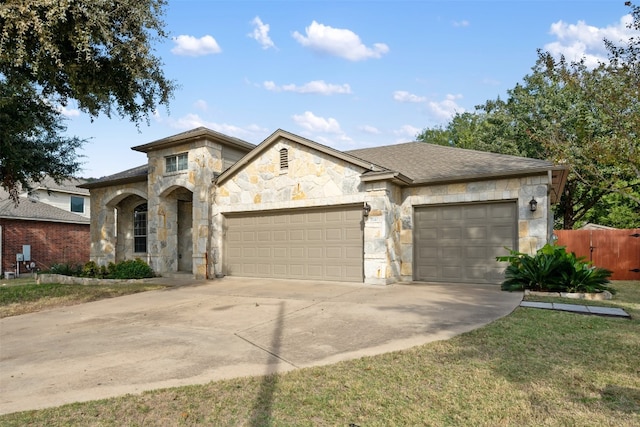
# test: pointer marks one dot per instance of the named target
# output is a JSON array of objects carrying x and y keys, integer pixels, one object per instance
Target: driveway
[{"x": 227, "y": 328}]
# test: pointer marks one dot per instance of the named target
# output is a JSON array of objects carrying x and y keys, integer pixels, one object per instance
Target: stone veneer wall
[
  {"x": 124, "y": 240},
  {"x": 205, "y": 159},
  {"x": 532, "y": 226},
  {"x": 104, "y": 201},
  {"x": 312, "y": 179}
]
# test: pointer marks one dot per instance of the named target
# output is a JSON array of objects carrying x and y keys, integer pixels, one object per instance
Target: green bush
[
  {"x": 91, "y": 269},
  {"x": 131, "y": 269},
  {"x": 65, "y": 269},
  {"x": 553, "y": 269}
]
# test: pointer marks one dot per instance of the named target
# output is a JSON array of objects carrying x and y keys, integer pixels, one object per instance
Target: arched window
[{"x": 140, "y": 229}]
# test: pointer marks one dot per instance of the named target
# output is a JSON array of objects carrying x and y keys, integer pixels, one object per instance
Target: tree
[
  {"x": 30, "y": 139},
  {"x": 95, "y": 52},
  {"x": 566, "y": 113}
]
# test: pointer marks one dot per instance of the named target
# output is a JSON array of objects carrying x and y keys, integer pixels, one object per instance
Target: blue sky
[{"x": 348, "y": 74}]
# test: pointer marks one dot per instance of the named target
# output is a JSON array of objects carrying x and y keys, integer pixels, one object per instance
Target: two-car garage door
[
  {"x": 459, "y": 243},
  {"x": 316, "y": 244}
]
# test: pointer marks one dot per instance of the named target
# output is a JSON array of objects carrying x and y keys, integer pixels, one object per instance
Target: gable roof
[
  {"x": 275, "y": 136},
  {"x": 197, "y": 133}
]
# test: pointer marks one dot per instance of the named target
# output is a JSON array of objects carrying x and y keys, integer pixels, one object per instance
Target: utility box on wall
[{"x": 26, "y": 252}]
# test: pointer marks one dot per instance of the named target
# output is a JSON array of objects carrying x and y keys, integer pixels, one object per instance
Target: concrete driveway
[{"x": 220, "y": 329}]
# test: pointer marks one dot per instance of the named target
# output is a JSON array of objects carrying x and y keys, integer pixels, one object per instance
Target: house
[
  {"x": 209, "y": 205},
  {"x": 49, "y": 225}
]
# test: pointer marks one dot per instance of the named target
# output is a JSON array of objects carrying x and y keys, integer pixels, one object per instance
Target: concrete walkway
[
  {"x": 207, "y": 331},
  {"x": 577, "y": 308}
]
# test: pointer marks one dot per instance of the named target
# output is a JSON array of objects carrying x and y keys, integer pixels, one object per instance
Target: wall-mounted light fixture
[
  {"x": 533, "y": 205},
  {"x": 366, "y": 209}
]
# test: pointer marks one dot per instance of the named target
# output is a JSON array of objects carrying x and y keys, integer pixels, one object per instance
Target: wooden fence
[{"x": 615, "y": 250}]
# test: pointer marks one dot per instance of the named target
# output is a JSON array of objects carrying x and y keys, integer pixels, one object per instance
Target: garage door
[
  {"x": 459, "y": 243},
  {"x": 320, "y": 244}
]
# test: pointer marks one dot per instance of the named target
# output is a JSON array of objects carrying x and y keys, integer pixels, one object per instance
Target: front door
[{"x": 185, "y": 239}]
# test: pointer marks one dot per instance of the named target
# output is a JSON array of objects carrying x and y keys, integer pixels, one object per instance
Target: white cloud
[
  {"x": 251, "y": 133},
  {"x": 444, "y": 110},
  {"x": 577, "y": 41},
  {"x": 68, "y": 112},
  {"x": 404, "y": 96},
  {"x": 316, "y": 126},
  {"x": 314, "y": 123},
  {"x": 371, "y": 130},
  {"x": 316, "y": 86},
  {"x": 407, "y": 131},
  {"x": 463, "y": 23},
  {"x": 261, "y": 33},
  {"x": 338, "y": 42},
  {"x": 191, "y": 46},
  {"x": 201, "y": 104}
]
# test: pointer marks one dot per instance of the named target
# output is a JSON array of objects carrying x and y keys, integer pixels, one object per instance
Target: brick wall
[{"x": 50, "y": 242}]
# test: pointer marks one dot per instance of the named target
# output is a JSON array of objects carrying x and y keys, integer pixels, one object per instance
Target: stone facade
[
  {"x": 187, "y": 208},
  {"x": 312, "y": 179},
  {"x": 533, "y": 229}
]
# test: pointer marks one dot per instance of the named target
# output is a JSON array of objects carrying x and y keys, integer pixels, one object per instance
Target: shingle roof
[
  {"x": 36, "y": 211},
  {"x": 138, "y": 173},
  {"x": 66, "y": 186},
  {"x": 423, "y": 162}
]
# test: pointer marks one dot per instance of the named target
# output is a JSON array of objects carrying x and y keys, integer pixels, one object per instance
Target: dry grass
[
  {"x": 21, "y": 296},
  {"x": 531, "y": 368}
]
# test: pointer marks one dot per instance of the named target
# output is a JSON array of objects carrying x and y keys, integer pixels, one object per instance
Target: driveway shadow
[{"x": 261, "y": 413}]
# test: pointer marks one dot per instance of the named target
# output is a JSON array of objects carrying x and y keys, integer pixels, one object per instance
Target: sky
[{"x": 347, "y": 74}]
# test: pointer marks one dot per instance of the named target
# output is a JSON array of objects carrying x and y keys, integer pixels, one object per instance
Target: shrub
[
  {"x": 553, "y": 269},
  {"x": 91, "y": 269},
  {"x": 131, "y": 269},
  {"x": 65, "y": 269}
]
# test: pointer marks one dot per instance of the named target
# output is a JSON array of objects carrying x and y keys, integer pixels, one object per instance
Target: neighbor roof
[{"x": 34, "y": 210}]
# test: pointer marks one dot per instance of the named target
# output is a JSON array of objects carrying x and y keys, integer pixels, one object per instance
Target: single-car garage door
[
  {"x": 315, "y": 244},
  {"x": 459, "y": 243}
]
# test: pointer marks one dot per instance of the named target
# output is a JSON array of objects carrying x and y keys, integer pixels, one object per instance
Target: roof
[
  {"x": 275, "y": 136},
  {"x": 429, "y": 163},
  {"x": 136, "y": 174},
  {"x": 411, "y": 163},
  {"x": 34, "y": 210},
  {"x": 68, "y": 185},
  {"x": 197, "y": 133}
]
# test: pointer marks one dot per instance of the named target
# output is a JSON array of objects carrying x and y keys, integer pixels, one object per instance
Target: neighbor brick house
[
  {"x": 52, "y": 219},
  {"x": 209, "y": 205}
]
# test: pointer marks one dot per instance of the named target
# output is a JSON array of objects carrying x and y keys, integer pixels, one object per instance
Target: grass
[
  {"x": 531, "y": 368},
  {"x": 21, "y": 296}
]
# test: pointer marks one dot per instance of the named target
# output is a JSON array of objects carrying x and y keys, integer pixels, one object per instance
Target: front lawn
[
  {"x": 531, "y": 368},
  {"x": 21, "y": 296}
]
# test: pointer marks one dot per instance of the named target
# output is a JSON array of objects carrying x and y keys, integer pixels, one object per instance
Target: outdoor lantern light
[
  {"x": 533, "y": 205},
  {"x": 366, "y": 209}
]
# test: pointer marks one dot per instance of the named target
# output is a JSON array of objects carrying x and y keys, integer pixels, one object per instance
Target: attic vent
[{"x": 284, "y": 159}]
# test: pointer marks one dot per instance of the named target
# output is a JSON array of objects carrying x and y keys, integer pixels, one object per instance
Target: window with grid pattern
[
  {"x": 140, "y": 228},
  {"x": 176, "y": 163}
]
